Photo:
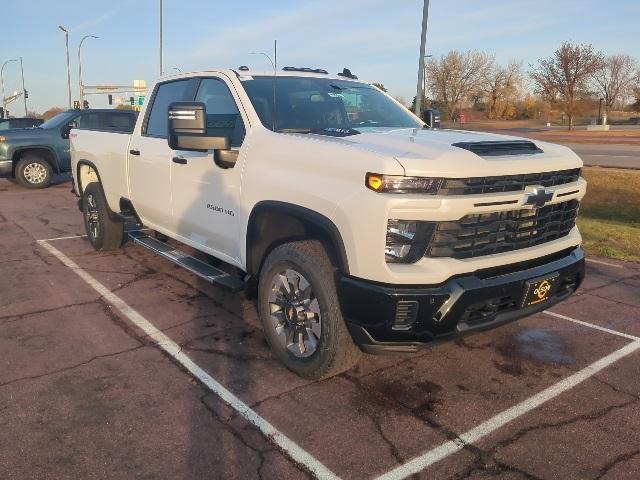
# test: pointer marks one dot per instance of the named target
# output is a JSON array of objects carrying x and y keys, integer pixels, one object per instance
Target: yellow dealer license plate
[{"x": 539, "y": 290}]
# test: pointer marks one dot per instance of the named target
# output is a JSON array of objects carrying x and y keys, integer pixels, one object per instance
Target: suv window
[
  {"x": 118, "y": 122},
  {"x": 166, "y": 93},
  {"x": 223, "y": 116},
  {"x": 88, "y": 121}
]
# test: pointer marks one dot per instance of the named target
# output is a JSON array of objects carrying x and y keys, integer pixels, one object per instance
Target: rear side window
[
  {"x": 166, "y": 94},
  {"x": 223, "y": 116}
]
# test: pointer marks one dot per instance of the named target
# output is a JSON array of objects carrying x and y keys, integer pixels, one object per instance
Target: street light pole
[
  {"x": 423, "y": 47},
  {"x": 24, "y": 90},
  {"x": 66, "y": 39},
  {"x": 161, "y": 69},
  {"x": 4, "y": 103},
  {"x": 80, "y": 87}
]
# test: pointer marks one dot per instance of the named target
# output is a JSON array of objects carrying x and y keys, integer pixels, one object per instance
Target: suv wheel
[
  {"x": 103, "y": 232},
  {"x": 33, "y": 172},
  {"x": 300, "y": 312}
]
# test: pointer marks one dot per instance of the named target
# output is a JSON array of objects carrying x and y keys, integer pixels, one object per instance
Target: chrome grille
[{"x": 497, "y": 232}]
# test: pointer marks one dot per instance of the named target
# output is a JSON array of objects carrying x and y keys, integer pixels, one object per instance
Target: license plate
[{"x": 539, "y": 290}]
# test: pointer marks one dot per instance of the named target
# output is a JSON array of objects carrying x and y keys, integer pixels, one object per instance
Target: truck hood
[{"x": 423, "y": 152}]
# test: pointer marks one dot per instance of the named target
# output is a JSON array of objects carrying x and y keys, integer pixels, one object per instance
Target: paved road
[
  {"x": 621, "y": 156},
  {"x": 86, "y": 394}
]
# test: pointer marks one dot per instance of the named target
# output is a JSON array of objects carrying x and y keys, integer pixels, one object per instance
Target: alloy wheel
[{"x": 295, "y": 313}]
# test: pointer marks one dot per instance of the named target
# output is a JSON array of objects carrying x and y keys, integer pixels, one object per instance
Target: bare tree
[
  {"x": 564, "y": 77},
  {"x": 501, "y": 86},
  {"x": 379, "y": 86},
  {"x": 615, "y": 79},
  {"x": 52, "y": 112},
  {"x": 457, "y": 76}
]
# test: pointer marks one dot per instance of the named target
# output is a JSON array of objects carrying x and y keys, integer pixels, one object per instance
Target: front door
[
  {"x": 150, "y": 157},
  {"x": 205, "y": 197}
]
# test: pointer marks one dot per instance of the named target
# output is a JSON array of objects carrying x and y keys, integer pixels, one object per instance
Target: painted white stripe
[
  {"x": 61, "y": 238},
  {"x": 498, "y": 421},
  {"x": 604, "y": 263},
  {"x": 292, "y": 449},
  {"x": 591, "y": 325}
]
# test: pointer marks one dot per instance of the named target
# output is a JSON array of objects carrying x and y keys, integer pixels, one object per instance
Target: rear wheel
[
  {"x": 104, "y": 233},
  {"x": 300, "y": 312},
  {"x": 33, "y": 172}
]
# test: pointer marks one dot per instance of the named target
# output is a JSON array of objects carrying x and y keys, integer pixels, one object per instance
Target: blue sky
[{"x": 376, "y": 39}]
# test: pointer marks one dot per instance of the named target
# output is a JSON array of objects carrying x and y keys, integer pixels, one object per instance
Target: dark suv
[
  {"x": 33, "y": 155},
  {"x": 8, "y": 123}
]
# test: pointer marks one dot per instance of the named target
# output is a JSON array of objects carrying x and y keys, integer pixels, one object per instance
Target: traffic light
[
  {"x": 26, "y": 94},
  {"x": 110, "y": 97},
  {"x": 76, "y": 104},
  {"x": 1, "y": 112},
  {"x": 85, "y": 104},
  {"x": 132, "y": 101}
]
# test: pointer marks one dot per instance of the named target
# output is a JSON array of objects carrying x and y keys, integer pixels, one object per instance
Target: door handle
[
  {"x": 134, "y": 152},
  {"x": 180, "y": 160}
]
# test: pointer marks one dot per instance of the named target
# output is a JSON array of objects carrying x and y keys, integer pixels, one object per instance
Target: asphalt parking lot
[{"x": 121, "y": 365}]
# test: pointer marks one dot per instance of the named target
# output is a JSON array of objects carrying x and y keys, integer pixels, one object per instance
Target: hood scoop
[{"x": 494, "y": 149}]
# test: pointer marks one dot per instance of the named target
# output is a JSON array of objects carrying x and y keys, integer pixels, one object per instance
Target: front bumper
[
  {"x": 392, "y": 318},
  {"x": 6, "y": 168}
]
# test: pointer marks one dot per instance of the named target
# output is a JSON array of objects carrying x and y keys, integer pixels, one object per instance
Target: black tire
[
  {"x": 335, "y": 351},
  {"x": 33, "y": 171},
  {"x": 104, "y": 233}
]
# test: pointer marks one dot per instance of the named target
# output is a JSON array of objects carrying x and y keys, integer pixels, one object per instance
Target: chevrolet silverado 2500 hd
[{"x": 354, "y": 226}]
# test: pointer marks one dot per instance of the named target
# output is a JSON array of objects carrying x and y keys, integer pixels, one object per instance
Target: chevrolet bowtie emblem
[{"x": 538, "y": 197}]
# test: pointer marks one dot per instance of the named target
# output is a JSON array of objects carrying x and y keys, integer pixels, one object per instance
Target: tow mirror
[
  {"x": 188, "y": 131},
  {"x": 431, "y": 117}
]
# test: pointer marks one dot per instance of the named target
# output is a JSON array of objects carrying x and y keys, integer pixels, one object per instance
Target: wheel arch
[
  {"x": 272, "y": 223},
  {"x": 47, "y": 153}
]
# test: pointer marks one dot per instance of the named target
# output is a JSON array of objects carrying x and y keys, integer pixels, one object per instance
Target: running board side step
[{"x": 205, "y": 271}]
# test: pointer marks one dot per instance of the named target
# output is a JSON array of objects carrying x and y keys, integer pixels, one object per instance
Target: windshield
[
  {"x": 57, "y": 120},
  {"x": 323, "y": 105}
]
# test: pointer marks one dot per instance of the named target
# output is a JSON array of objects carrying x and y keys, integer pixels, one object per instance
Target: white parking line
[
  {"x": 61, "y": 238},
  {"x": 485, "y": 428},
  {"x": 288, "y": 446},
  {"x": 600, "y": 262},
  {"x": 591, "y": 325}
]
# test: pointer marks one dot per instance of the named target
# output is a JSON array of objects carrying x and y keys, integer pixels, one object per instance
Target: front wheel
[
  {"x": 103, "y": 233},
  {"x": 300, "y": 312},
  {"x": 33, "y": 172}
]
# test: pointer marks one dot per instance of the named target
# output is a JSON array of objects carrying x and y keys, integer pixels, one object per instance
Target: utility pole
[
  {"x": 24, "y": 90},
  {"x": 161, "y": 69},
  {"x": 423, "y": 48},
  {"x": 80, "y": 87},
  {"x": 4, "y": 103},
  {"x": 66, "y": 39}
]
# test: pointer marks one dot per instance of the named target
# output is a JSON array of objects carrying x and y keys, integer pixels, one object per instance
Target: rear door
[
  {"x": 205, "y": 197},
  {"x": 150, "y": 155}
]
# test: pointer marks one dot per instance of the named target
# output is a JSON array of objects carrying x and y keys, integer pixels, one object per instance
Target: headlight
[
  {"x": 407, "y": 240},
  {"x": 400, "y": 184}
]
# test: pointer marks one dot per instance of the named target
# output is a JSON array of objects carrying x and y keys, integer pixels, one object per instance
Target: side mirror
[
  {"x": 66, "y": 130},
  {"x": 188, "y": 131},
  {"x": 431, "y": 117}
]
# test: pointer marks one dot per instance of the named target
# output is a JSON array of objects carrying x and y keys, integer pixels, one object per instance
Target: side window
[
  {"x": 166, "y": 94},
  {"x": 118, "y": 122},
  {"x": 88, "y": 121},
  {"x": 223, "y": 116}
]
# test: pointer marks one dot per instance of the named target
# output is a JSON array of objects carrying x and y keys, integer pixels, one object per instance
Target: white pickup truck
[{"x": 354, "y": 225}]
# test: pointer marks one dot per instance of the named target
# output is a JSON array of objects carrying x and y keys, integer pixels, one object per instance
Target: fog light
[
  {"x": 406, "y": 314},
  {"x": 407, "y": 240}
]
